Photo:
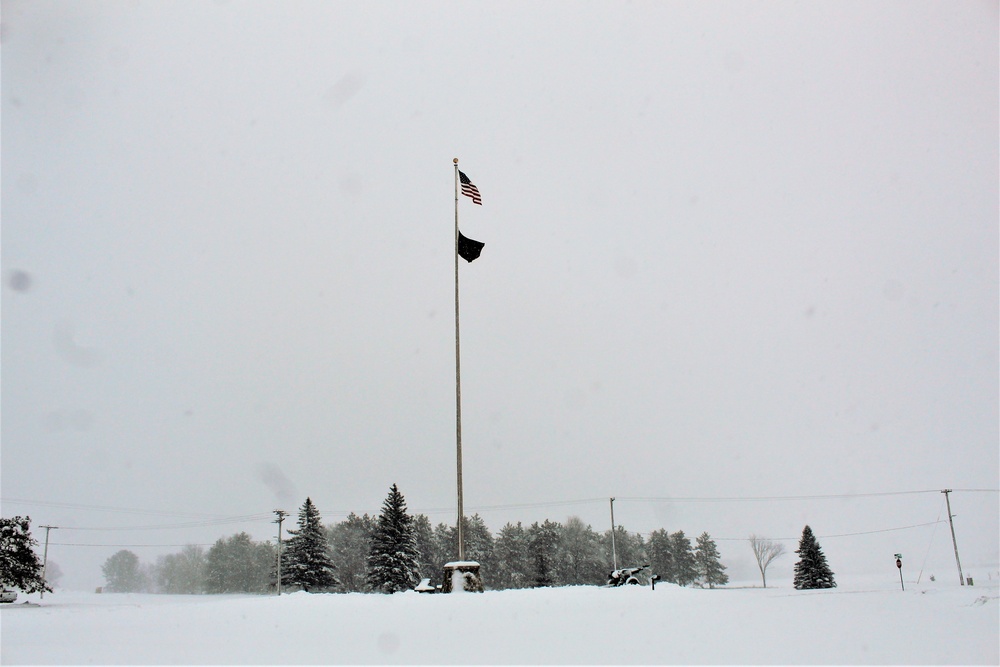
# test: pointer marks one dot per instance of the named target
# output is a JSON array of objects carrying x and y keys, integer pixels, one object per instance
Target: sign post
[{"x": 899, "y": 566}]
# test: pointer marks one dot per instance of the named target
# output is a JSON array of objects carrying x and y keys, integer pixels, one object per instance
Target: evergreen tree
[
  {"x": 812, "y": 570},
  {"x": 514, "y": 567},
  {"x": 19, "y": 565},
  {"x": 435, "y": 549},
  {"x": 478, "y": 542},
  {"x": 477, "y": 537},
  {"x": 423, "y": 533},
  {"x": 444, "y": 549},
  {"x": 685, "y": 567},
  {"x": 707, "y": 564},
  {"x": 123, "y": 573},
  {"x": 629, "y": 547},
  {"x": 543, "y": 546},
  {"x": 305, "y": 558},
  {"x": 392, "y": 561},
  {"x": 661, "y": 555}
]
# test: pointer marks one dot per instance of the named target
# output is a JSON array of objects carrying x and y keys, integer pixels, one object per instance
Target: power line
[
  {"x": 206, "y": 519},
  {"x": 246, "y": 518},
  {"x": 553, "y": 503},
  {"x": 105, "y": 508},
  {"x": 129, "y": 546},
  {"x": 699, "y": 499},
  {"x": 727, "y": 499},
  {"x": 974, "y": 490},
  {"x": 884, "y": 530},
  {"x": 866, "y": 532},
  {"x": 702, "y": 499}
]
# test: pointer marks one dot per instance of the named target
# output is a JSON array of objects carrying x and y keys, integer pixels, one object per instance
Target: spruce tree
[
  {"x": 543, "y": 546},
  {"x": 19, "y": 565},
  {"x": 305, "y": 558},
  {"x": 709, "y": 568},
  {"x": 392, "y": 561},
  {"x": 427, "y": 564},
  {"x": 812, "y": 570},
  {"x": 478, "y": 542},
  {"x": 514, "y": 565},
  {"x": 444, "y": 548},
  {"x": 685, "y": 566}
]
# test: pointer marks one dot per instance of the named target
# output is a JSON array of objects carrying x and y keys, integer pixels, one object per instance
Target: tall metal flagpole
[{"x": 458, "y": 387}]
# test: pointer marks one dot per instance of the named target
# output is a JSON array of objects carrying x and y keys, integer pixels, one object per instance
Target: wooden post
[{"x": 961, "y": 579}]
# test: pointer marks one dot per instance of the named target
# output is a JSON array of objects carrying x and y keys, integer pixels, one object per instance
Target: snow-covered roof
[{"x": 459, "y": 564}]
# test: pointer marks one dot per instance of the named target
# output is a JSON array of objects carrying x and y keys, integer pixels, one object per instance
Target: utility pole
[
  {"x": 281, "y": 517},
  {"x": 45, "y": 557},
  {"x": 614, "y": 552},
  {"x": 961, "y": 579}
]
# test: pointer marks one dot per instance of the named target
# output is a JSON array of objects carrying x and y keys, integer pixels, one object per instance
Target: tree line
[{"x": 395, "y": 550}]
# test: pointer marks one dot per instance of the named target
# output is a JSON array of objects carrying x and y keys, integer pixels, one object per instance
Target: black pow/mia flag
[{"x": 468, "y": 249}]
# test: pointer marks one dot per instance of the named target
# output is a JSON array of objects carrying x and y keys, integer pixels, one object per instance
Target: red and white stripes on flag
[{"x": 470, "y": 190}]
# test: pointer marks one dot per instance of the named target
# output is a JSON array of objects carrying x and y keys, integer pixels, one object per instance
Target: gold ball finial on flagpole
[{"x": 455, "y": 160}]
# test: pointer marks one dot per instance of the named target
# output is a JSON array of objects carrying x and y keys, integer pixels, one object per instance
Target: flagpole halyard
[{"x": 458, "y": 388}]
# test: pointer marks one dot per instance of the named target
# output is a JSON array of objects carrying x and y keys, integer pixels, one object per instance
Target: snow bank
[{"x": 926, "y": 624}]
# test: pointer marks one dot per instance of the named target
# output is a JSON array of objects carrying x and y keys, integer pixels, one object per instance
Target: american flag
[{"x": 470, "y": 190}]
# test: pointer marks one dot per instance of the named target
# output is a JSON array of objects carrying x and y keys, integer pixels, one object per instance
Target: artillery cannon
[{"x": 625, "y": 576}]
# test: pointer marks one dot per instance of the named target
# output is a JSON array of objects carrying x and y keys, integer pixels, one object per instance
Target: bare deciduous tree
[{"x": 765, "y": 551}]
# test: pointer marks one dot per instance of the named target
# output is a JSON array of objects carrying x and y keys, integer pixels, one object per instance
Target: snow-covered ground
[{"x": 863, "y": 621}]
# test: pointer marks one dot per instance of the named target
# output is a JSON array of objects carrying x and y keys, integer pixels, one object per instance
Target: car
[{"x": 8, "y": 596}]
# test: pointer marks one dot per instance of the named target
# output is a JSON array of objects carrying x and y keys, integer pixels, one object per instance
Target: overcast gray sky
[{"x": 732, "y": 250}]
